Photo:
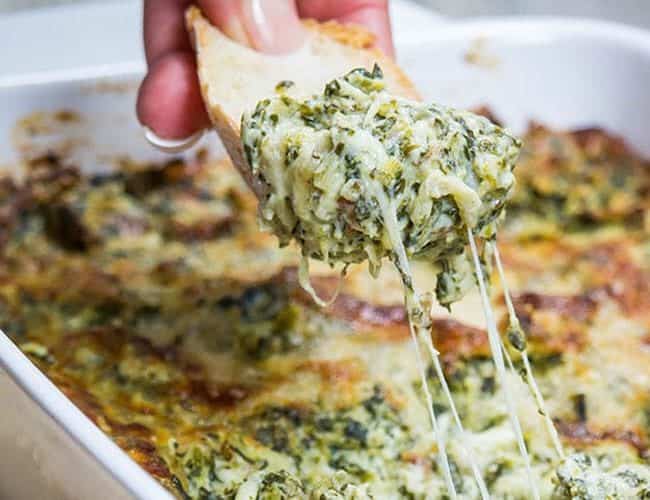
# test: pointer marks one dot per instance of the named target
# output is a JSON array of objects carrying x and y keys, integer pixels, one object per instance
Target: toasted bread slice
[{"x": 234, "y": 77}]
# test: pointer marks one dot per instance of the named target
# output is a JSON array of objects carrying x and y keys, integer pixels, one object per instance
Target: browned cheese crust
[{"x": 152, "y": 300}]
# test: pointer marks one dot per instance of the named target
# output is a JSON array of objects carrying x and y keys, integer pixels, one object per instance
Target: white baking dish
[{"x": 565, "y": 73}]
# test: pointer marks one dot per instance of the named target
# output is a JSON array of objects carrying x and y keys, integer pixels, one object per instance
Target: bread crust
[
  {"x": 358, "y": 37},
  {"x": 351, "y": 45},
  {"x": 233, "y": 77}
]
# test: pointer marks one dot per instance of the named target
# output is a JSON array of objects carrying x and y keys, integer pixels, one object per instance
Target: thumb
[{"x": 269, "y": 26}]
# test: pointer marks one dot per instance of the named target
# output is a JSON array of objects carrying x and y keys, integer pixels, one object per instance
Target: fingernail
[
  {"x": 273, "y": 26},
  {"x": 228, "y": 16},
  {"x": 171, "y": 145},
  {"x": 235, "y": 30}
]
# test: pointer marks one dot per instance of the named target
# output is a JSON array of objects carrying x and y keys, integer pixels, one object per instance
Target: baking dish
[{"x": 563, "y": 73}]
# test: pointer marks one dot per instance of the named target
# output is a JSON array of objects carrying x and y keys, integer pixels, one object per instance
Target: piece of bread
[{"x": 234, "y": 77}]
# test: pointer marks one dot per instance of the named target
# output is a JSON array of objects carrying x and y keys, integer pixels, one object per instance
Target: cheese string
[
  {"x": 415, "y": 312},
  {"x": 305, "y": 283},
  {"x": 422, "y": 333},
  {"x": 467, "y": 449},
  {"x": 497, "y": 356},
  {"x": 440, "y": 439},
  {"x": 530, "y": 378}
]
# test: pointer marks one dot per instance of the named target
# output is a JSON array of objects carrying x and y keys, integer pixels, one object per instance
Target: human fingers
[
  {"x": 372, "y": 14},
  {"x": 270, "y": 26},
  {"x": 169, "y": 100},
  {"x": 163, "y": 28}
]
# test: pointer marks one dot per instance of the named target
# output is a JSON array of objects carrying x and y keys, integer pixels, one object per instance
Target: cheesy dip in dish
[{"x": 152, "y": 300}]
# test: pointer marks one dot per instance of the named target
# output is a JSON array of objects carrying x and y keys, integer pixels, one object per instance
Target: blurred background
[{"x": 636, "y": 12}]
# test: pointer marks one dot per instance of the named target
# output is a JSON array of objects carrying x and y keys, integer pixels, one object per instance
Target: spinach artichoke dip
[
  {"x": 356, "y": 174},
  {"x": 150, "y": 298}
]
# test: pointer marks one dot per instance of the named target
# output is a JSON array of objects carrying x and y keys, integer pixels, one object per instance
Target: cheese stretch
[
  {"x": 357, "y": 173},
  {"x": 152, "y": 300}
]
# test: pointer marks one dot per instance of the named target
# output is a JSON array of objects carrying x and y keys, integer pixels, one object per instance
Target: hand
[{"x": 169, "y": 100}]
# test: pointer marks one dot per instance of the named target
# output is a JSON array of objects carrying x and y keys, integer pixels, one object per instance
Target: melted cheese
[
  {"x": 411, "y": 176},
  {"x": 497, "y": 355},
  {"x": 530, "y": 377},
  {"x": 359, "y": 174},
  {"x": 285, "y": 354},
  {"x": 333, "y": 163}
]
